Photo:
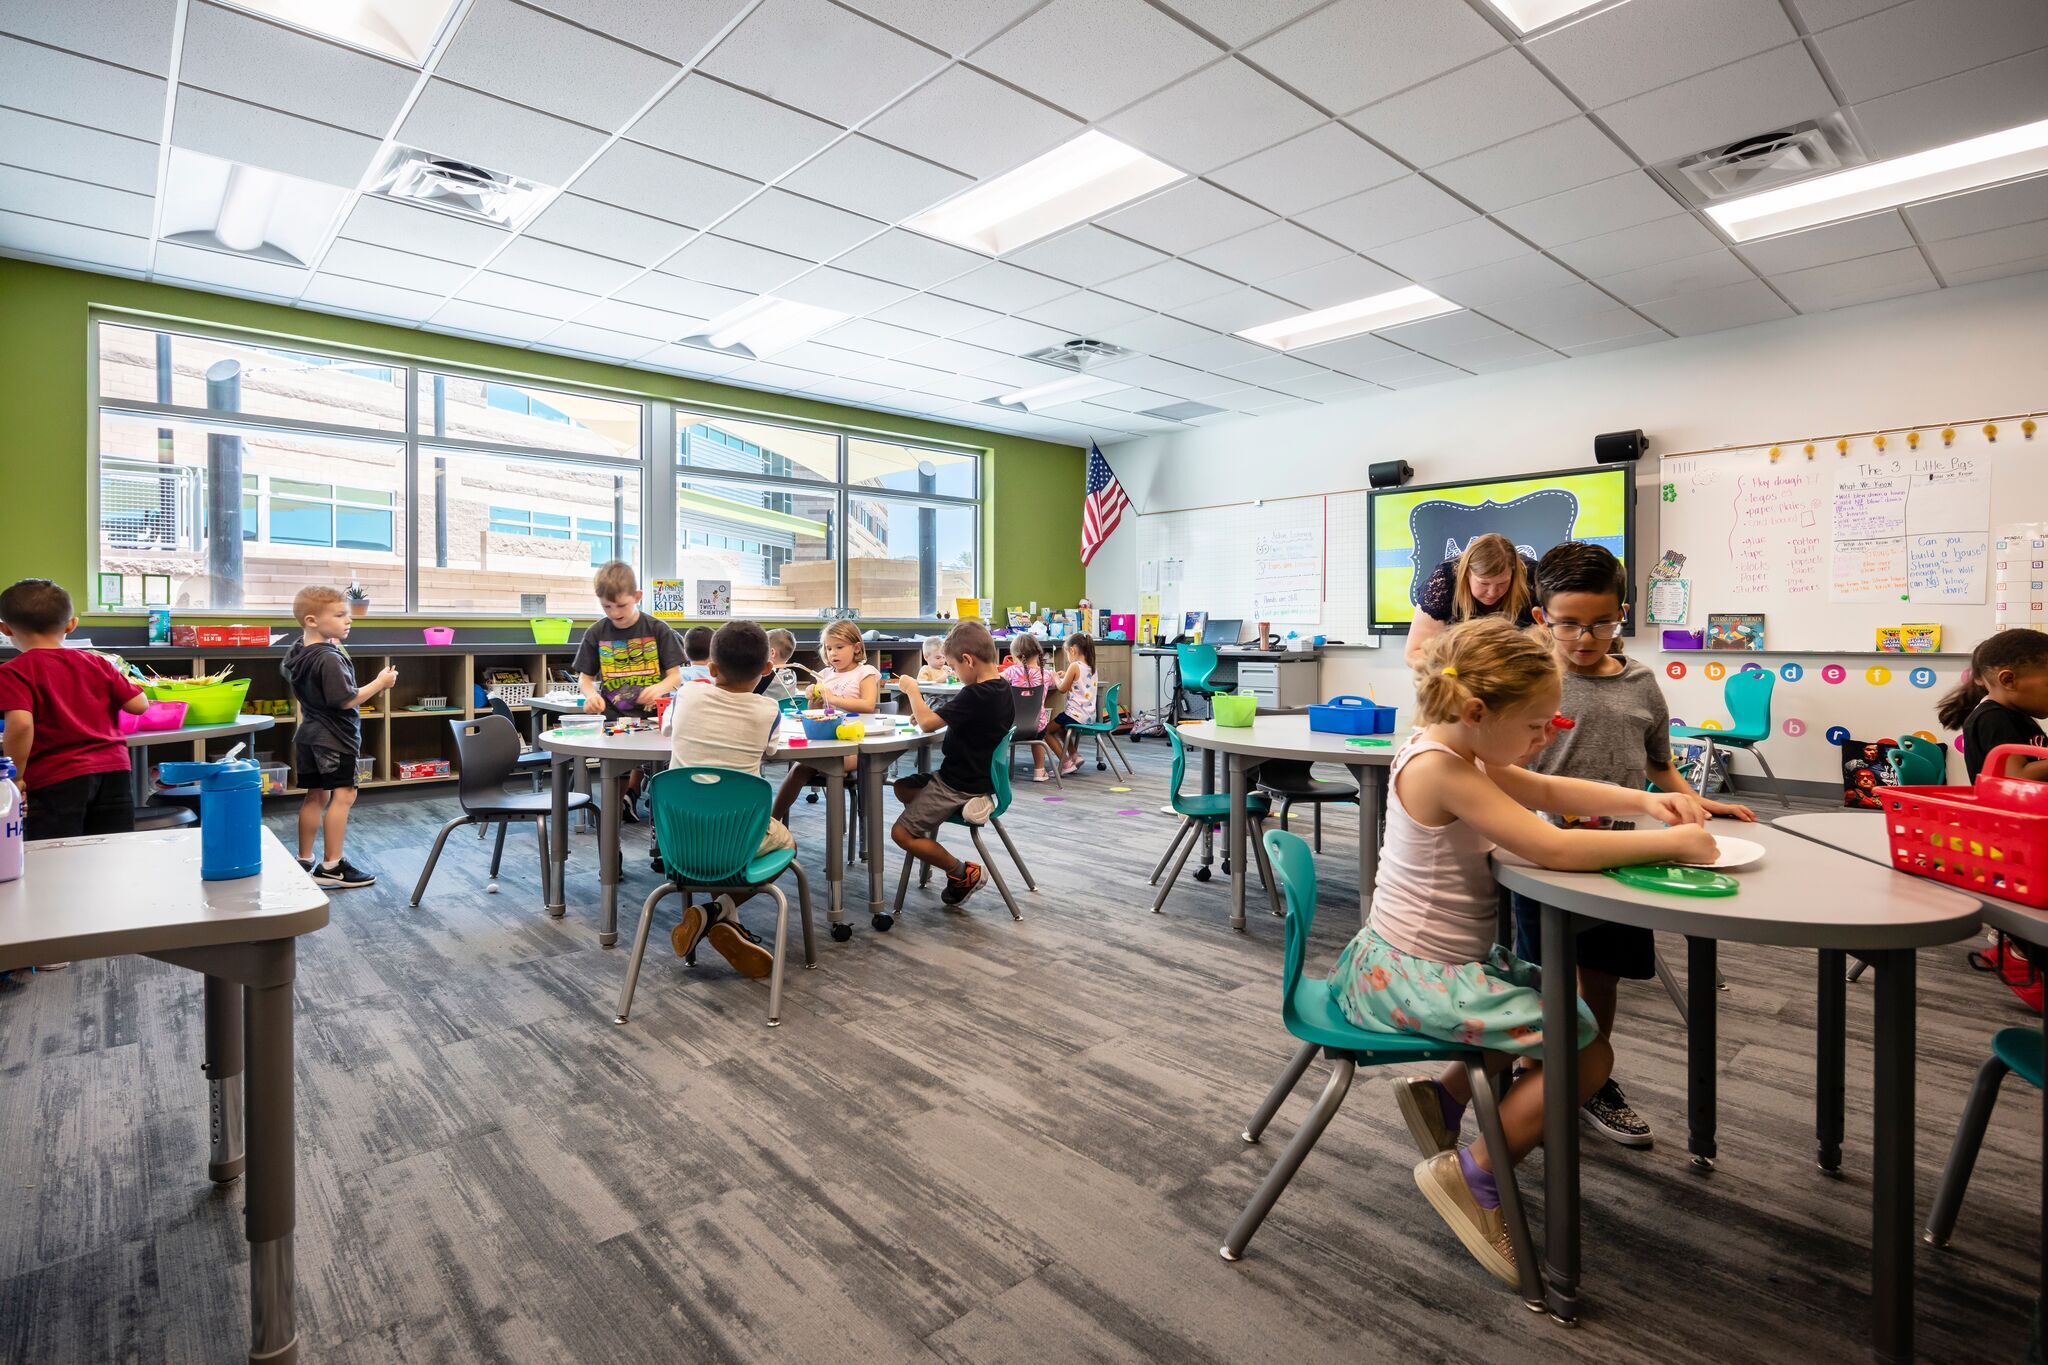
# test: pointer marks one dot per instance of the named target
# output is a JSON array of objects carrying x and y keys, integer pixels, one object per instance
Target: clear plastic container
[
  {"x": 366, "y": 770},
  {"x": 276, "y": 777}
]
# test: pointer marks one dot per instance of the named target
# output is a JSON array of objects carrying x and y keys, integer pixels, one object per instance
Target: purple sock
[
  {"x": 1479, "y": 1180},
  {"x": 1453, "y": 1112}
]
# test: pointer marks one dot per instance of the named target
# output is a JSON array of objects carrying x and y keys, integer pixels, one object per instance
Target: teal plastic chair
[
  {"x": 1201, "y": 812},
  {"x": 1195, "y": 671},
  {"x": 1920, "y": 762},
  {"x": 999, "y": 778},
  {"x": 2012, "y": 1049},
  {"x": 709, "y": 821},
  {"x": 1747, "y": 695},
  {"x": 1103, "y": 729},
  {"x": 1309, "y": 1009}
]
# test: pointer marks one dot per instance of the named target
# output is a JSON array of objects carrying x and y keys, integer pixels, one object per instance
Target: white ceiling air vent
[
  {"x": 1181, "y": 412},
  {"x": 1080, "y": 354},
  {"x": 412, "y": 176},
  {"x": 1764, "y": 161}
]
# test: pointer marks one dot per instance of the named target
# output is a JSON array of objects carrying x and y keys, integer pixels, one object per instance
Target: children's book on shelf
[
  {"x": 1735, "y": 630},
  {"x": 669, "y": 598}
]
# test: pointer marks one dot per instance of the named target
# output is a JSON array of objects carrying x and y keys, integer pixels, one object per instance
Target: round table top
[
  {"x": 558, "y": 705},
  {"x": 1802, "y": 895},
  {"x": 1287, "y": 737},
  {"x": 1862, "y": 833},
  {"x": 240, "y": 725},
  {"x": 592, "y": 742}
]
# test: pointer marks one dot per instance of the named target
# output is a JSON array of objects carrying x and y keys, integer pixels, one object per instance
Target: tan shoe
[
  {"x": 685, "y": 935},
  {"x": 745, "y": 952},
  {"x": 1424, "y": 1111},
  {"x": 1483, "y": 1231}
]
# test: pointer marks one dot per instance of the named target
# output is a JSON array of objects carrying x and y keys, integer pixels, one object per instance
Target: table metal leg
[
  {"x": 1208, "y": 831},
  {"x": 1891, "y": 1161},
  {"x": 558, "y": 834},
  {"x": 872, "y": 769},
  {"x": 612, "y": 780},
  {"x": 1830, "y": 1061},
  {"x": 1240, "y": 783},
  {"x": 269, "y": 1211},
  {"x": 1701, "y": 1045},
  {"x": 1560, "y": 1114},
  {"x": 223, "y": 1068},
  {"x": 835, "y": 840},
  {"x": 138, "y": 774}
]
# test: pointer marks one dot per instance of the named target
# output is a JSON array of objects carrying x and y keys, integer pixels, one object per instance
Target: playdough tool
[
  {"x": 1675, "y": 879},
  {"x": 1368, "y": 742}
]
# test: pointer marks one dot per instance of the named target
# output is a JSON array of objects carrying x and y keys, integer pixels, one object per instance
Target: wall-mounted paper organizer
[{"x": 1685, "y": 639}]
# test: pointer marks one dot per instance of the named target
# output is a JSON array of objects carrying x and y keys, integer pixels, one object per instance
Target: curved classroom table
[
  {"x": 618, "y": 752},
  {"x": 1802, "y": 895},
  {"x": 141, "y": 740},
  {"x": 1289, "y": 737}
]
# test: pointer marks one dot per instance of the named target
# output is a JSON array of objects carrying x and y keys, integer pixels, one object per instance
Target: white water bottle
[{"x": 10, "y": 823}]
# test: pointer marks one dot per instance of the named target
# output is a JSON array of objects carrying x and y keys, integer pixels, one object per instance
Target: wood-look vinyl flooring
[{"x": 971, "y": 1140}]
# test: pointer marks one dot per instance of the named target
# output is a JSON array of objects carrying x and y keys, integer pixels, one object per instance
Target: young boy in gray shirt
[{"x": 1620, "y": 733}]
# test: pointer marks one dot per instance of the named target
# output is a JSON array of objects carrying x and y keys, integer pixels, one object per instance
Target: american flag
[{"x": 1104, "y": 506}]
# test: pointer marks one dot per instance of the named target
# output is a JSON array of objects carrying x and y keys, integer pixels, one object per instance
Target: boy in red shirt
[{"x": 69, "y": 758}]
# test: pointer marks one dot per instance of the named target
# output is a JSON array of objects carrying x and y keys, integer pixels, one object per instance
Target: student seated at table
[
  {"x": 849, "y": 683},
  {"x": 729, "y": 725},
  {"x": 2001, "y": 700},
  {"x": 934, "y": 668},
  {"x": 1077, "y": 681},
  {"x": 1025, "y": 671},
  {"x": 697, "y": 654},
  {"x": 976, "y": 719},
  {"x": 779, "y": 682},
  {"x": 1426, "y": 963}
]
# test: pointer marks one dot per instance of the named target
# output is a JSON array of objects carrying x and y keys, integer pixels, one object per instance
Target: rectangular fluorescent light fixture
[
  {"x": 1967, "y": 165},
  {"x": 761, "y": 327},
  {"x": 403, "y": 30},
  {"x": 1350, "y": 319},
  {"x": 1070, "y": 184},
  {"x": 1073, "y": 389},
  {"x": 446, "y": 185},
  {"x": 227, "y": 206},
  {"x": 1529, "y": 15}
]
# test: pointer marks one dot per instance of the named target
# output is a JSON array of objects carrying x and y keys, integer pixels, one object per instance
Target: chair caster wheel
[
  {"x": 1201, "y": 874},
  {"x": 491, "y": 889},
  {"x": 810, "y": 798},
  {"x": 841, "y": 932},
  {"x": 1100, "y": 765},
  {"x": 883, "y": 923}
]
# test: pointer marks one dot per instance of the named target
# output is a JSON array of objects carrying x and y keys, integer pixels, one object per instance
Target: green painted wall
[{"x": 1031, "y": 519}]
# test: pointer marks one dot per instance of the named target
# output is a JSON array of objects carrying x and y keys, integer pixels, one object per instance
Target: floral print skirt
[{"x": 1495, "y": 1003}]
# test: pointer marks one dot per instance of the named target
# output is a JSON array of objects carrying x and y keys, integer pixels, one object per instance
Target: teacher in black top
[{"x": 1491, "y": 576}]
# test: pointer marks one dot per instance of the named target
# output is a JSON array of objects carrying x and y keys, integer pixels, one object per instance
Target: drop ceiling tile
[
  {"x": 1755, "y": 95},
  {"x": 526, "y": 56},
  {"x": 820, "y": 358},
  {"x": 1589, "y": 328},
  {"x": 1529, "y": 312},
  {"x": 1480, "y": 355},
  {"x": 656, "y": 324},
  {"x": 1482, "y": 363},
  {"x": 222, "y": 270},
  {"x": 1216, "y": 116},
  {"x": 1328, "y": 387},
  {"x": 1237, "y": 310},
  {"x": 1405, "y": 208},
  {"x": 710, "y": 122},
  {"x": 956, "y": 357},
  {"x": 234, "y": 131},
  {"x": 1192, "y": 214},
  {"x": 1086, "y": 256},
  {"x": 1627, "y": 49},
  {"x": 868, "y": 177},
  {"x": 74, "y": 201},
  {"x": 897, "y": 374},
  {"x": 821, "y": 59},
  {"x": 1013, "y": 336},
  {"x": 1925, "y": 40},
  {"x": 1823, "y": 245},
  {"x": 78, "y": 90},
  {"x": 734, "y": 265},
  {"x": 448, "y": 120},
  {"x": 878, "y": 339},
  {"x": 584, "y": 339},
  {"x": 1603, "y": 206},
  {"x": 1411, "y": 372},
  {"x": 131, "y": 33},
  {"x": 1129, "y": 401},
  {"x": 909, "y": 259},
  {"x": 2024, "y": 201},
  {"x": 1864, "y": 279},
  {"x": 1434, "y": 335},
  {"x": 1822, "y": 14},
  {"x": 842, "y": 291},
  {"x": 1321, "y": 56},
  {"x": 1712, "y": 310},
  {"x": 676, "y": 29},
  {"x": 1322, "y": 164},
  {"x": 1495, "y": 98},
  {"x": 973, "y": 124},
  {"x": 422, "y": 232},
  {"x": 494, "y": 324},
  {"x": 1461, "y": 246},
  {"x": 607, "y": 230},
  {"x": 933, "y": 315},
  {"x": 1083, "y": 313},
  {"x": 1988, "y": 99},
  {"x": 41, "y": 144},
  {"x": 1238, "y": 22},
  {"x": 1169, "y": 284},
  {"x": 1686, "y": 275},
  {"x": 1004, "y": 288},
  {"x": 776, "y": 376},
  {"x": 532, "y": 259},
  {"x": 1155, "y": 333},
  {"x": 525, "y": 296},
  {"x": 1335, "y": 282},
  {"x": 690, "y": 298},
  {"x": 368, "y": 297},
  {"x": 1560, "y": 157},
  {"x": 68, "y": 241},
  {"x": 1280, "y": 369},
  {"x": 781, "y": 221},
  {"x": 693, "y": 360},
  {"x": 1629, "y": 248},
  {"x": 2000, "y": 271},
  {"x": 1351, "y": 355},
  {"x": 1513, "y": 278},
  {"x": 646, "y": 181},
  {"x": 1213, "y": 352},
  {"x": 956, "y": 27},
  {"x": 1266, "y": 252},
  {"x": 2021, "y": 241},
  {"x": 1621, "y": 343},
  {"x": 384, "y": 265},
  {"x": 236, "y": 54},
  {"x": 1092, "y": 57},
  {"x": 1181, "y": 381},
  {"x": 961, "y": 387}
]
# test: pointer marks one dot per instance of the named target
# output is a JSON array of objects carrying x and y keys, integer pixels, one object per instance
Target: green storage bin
[
  {"x": 550, "y": 630},
  {"x": 205, "y": 703},
  {"x": 1235, "y": 709}
]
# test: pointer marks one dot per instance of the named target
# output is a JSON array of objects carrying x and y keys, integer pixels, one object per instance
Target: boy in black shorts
[
  {"x": 329, "y": 738},
  {"x": 975, "y": 720}
]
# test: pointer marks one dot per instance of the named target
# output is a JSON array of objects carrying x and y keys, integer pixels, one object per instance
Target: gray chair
[
  {"x": 1293, "y": 782},
  {"x": 1027, "y": 730},
  {"x": 486, "y": 757}
]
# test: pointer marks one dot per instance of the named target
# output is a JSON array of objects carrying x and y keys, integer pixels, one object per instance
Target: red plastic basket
[{"x": 1992, "y": 837}]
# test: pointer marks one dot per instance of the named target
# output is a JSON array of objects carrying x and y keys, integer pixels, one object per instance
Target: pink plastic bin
[
  {"x": 158, "y": 715},
  {"x": 439, "y": 635}
]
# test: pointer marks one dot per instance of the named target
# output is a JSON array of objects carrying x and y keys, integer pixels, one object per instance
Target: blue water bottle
[{"x": 230, "y": 815}]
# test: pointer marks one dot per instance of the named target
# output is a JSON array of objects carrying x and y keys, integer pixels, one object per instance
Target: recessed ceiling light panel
[
  {"x": 445, "y": 185},
  {"x": 1070, "y": 184},
  {"x": 404, "y": 30},
  {"x": 227, "y": 206},
  {"x": 1073, "y": 389},
  {"x": 1391, "y": 309},
  {"x": 1529, "y": 15},
  {"x": 761, "y": 327}
]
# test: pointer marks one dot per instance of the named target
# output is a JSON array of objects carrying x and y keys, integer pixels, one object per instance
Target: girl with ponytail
[{"x": 2001, "y": 700}]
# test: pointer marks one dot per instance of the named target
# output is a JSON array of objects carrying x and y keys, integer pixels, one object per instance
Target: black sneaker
[
  {"x": 305, "y": 865},
  {"x": 962, "y": 884},
  {"x": 1611, "y": 1117},
  {"x": 342, "y": 876}
]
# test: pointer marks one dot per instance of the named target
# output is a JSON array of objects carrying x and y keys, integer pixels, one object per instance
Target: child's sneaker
[
  {"x": 962, "y": 884},
  {"x": 342, "y": 875},
  {"x": 1614, "y": 1118},
  {"x": 1483, "y": 1231},
  {"x": 1424, "y": 1110},
  {"x": 684, "y": 937},
  {"x": 306, "y": 865},
  {"x": 739, "y": 946}
]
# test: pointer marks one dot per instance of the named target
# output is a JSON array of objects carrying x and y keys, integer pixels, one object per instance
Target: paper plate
[{"x": 1735, "y": 852}]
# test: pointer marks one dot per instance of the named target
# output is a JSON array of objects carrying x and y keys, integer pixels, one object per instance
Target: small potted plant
[{"x": 358, "y": 597}]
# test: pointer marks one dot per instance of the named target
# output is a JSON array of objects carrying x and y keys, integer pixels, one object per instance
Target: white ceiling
[{"x": 711, "y": 150}]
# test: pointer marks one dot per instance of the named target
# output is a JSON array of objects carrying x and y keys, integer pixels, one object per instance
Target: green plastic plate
[{"x": 1678, "y": 880}]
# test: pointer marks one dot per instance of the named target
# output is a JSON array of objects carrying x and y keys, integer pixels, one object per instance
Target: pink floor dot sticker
[
  {"x": 1674, "y": 670},
  {"x": 1794, "y": 726},
  {"x": 1833, "y": 673},
  {"x": 1716, "y": 670},
  {"x": 1055, "y": 798},
  {"x": 1130, "y": 812},
  {"x": 1877, "y": 675}
]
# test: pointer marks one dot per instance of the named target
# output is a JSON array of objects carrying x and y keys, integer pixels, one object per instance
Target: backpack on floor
[{"x": 2009, "y": 961}]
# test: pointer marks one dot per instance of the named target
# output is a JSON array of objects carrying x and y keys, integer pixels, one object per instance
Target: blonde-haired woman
[{"x": 1490, "y": 577}]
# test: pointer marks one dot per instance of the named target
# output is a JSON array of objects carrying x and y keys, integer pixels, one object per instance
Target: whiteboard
[{"x": 1833, "y": 545}]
